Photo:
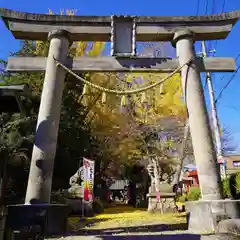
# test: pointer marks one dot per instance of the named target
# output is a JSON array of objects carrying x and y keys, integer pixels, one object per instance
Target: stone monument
[
  {"x": 74, "y": 197},
  {"x": 165, "y": 202}
]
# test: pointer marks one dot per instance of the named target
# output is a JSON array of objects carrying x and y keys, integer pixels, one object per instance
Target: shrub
[
  {"x": 105, "y": 204},
  {"x": 194, "y": 194},
  {"x": 238, "y": 182},
  {"x": 98, "y": 206},
  {"x": 231, "y": 186},
  {"x": 182, "y": 199},
  {"x": 226, "y": 188},
  {"x": 57, "y": 197}
]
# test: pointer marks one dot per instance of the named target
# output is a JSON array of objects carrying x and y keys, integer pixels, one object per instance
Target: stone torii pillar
[
  {"x": 205, "y": 214},
  {"x": 42, "y": 163},
  {"x": 203, "y": 147}
]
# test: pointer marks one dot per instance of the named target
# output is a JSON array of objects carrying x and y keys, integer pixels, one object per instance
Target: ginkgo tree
[{"x": 102, "y": 112}]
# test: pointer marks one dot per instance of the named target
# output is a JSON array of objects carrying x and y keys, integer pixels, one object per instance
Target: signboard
[{"x": 88, "y": 172}]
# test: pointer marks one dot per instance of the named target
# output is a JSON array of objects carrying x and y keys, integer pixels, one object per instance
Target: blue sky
[{"x": 229, "y": 104}]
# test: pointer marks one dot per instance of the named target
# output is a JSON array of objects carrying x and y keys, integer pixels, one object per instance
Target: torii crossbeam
[
  {"x": 31, "y": 26},
  {"x": 115, "y": 64}
]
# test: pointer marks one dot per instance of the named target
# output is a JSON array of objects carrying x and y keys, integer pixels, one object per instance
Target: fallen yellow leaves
[{"x": 120, "y": 217}]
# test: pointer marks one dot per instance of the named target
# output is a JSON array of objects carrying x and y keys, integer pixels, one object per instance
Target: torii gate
[{"x": 123, "y": 32}]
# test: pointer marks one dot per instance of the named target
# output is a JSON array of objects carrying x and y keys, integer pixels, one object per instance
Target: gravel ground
[{"x": 127, "y": 223}]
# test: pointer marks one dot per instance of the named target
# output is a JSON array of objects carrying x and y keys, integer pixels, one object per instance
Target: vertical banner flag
[{"x": 88, "y": 170}]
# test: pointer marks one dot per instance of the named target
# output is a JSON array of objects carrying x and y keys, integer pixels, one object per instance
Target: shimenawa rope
[{"x": 125, "y": 92}]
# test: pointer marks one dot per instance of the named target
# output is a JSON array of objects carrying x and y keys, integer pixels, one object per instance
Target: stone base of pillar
[
  {"x": 46, "y": 219},
  {"x": 231, "y": 226},
  {"x": 204, "y": 216},
  {"x": 216, "y": 237}
]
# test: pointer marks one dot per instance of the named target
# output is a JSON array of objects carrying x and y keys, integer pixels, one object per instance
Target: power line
[
  {"x": 226, "y": 86},
  {"x": 223, "y": 6},
  {"x": 238, "y": 56},
  {"x": 206, "y": 9},
  {"x": 198, "y": 6},
  {"x": 207, "y": 48},
  {"x": 209, "y": 42},
  {"x": 213, "y": 7},
  {"x": 212, "y": 12},
  {"x": 222, "y": 10}
]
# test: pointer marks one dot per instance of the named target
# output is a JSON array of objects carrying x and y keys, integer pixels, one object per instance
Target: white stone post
[
  {"x": 42, "y": 163},
  {"x": 204, "y": 153}
]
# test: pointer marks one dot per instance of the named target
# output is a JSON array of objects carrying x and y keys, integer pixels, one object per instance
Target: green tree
[{"x": 74, "y": 139}]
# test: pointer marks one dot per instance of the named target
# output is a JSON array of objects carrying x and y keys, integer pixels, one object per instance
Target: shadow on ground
[
  {"x": 77, "y": 226},
  {"x": 170, "y": 237},
  {"x": 146, "y": 237},
  {"x": 181, "y": 216},
  {"x": 143, "y": 229},
  {"x": 123, "y": 209}
]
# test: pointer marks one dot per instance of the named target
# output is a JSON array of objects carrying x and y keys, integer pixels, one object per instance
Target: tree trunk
[
  {"x": 181, "y": 154},
  {"x": 157, "y": 184}
]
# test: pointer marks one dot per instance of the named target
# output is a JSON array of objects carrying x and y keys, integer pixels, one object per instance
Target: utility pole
[{"x": 215, "y": 122}]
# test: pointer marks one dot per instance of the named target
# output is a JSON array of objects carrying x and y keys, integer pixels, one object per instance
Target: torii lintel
[{"x": 32, "y": 26}]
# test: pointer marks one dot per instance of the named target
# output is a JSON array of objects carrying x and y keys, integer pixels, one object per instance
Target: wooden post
[
  {"x": 204, "y": 153},
  {"x": 42, "y": 163}
]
